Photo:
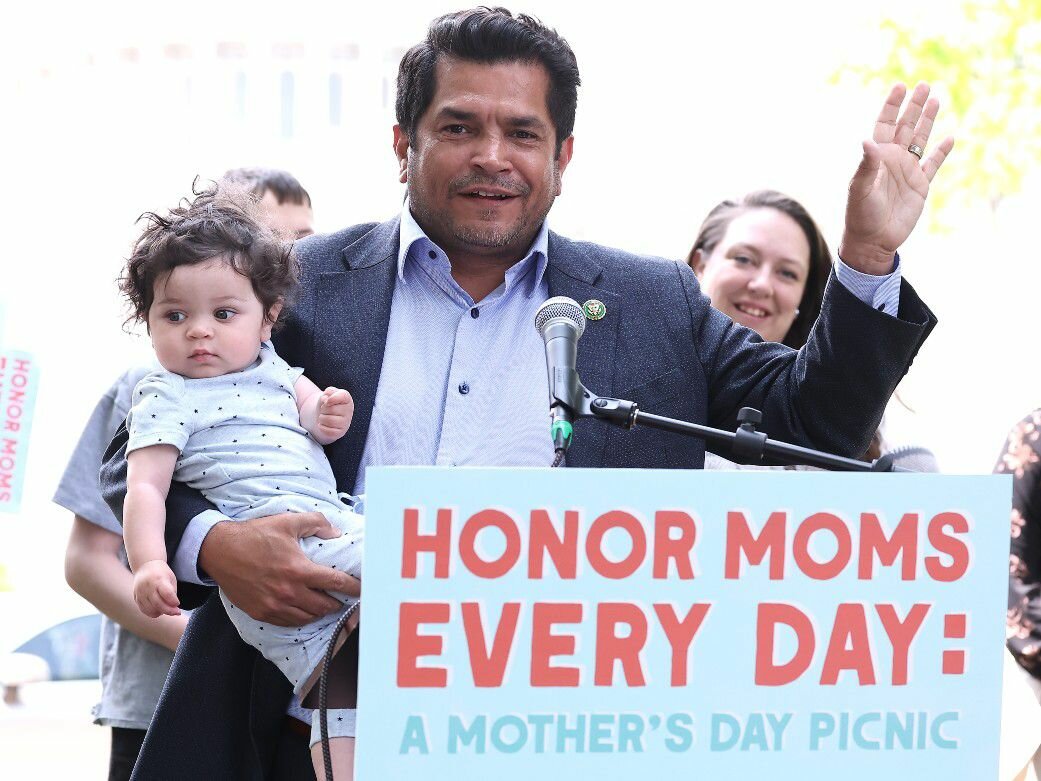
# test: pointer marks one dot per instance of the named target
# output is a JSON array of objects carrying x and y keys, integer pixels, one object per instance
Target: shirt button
[
  {"x": 464, "y": 388},
  {"x": 475, "y": 313},
  {"x": 432, "y": 254}
]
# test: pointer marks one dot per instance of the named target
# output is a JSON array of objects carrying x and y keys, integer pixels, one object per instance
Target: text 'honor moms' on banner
[{"x": 19, "y": 379}]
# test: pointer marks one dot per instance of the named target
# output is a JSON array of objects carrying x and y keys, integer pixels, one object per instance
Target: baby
[{"x": 229, "y": 417}]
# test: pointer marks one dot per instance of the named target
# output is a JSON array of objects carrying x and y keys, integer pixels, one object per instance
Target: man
[
  {"x": 136, "y": 651},
  {"x": 428, "y": 321}
]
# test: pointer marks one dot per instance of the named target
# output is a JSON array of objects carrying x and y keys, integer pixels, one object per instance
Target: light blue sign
[
  {"x": 619, "y": 624},
  {"x": 19, "y": 380}
]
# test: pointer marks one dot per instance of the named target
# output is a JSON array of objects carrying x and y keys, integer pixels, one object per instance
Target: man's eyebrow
[
  {"x": 528, "y": 121},
  {"x": 455, "y": 113},
  {"x": 449, "y": 112}
]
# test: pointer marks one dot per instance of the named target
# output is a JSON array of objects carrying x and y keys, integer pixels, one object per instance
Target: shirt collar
[{"x": 537, "y": 256}]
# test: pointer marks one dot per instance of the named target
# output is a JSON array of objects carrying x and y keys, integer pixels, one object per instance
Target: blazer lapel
[
  {"x": 575, "y": 273},
  {"x": 351, "y": 319}
]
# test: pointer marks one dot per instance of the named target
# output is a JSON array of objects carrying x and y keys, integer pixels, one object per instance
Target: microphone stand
[{"x": 746, "y": 442}]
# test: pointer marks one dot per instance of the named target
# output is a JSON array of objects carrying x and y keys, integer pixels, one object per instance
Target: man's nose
[{"x": 491, "y": 153}]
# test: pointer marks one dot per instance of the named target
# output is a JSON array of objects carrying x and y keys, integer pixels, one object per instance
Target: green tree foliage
[{"x": 988, "y": 63}]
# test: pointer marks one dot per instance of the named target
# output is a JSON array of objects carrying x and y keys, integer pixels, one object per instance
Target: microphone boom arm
[{"x": 745, "y": 442}]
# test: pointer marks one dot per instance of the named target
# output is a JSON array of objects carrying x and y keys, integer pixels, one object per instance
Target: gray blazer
[{"x": 661, "y": 345}]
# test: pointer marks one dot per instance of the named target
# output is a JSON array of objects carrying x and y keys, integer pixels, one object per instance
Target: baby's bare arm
[{"x": 149, "y": 471}]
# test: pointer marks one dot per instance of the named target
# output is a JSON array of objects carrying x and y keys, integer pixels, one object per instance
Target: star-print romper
[{"x": 243, "y": 447}]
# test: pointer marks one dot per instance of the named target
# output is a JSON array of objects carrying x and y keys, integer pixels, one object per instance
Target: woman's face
[{"x": 757, "y": 273}]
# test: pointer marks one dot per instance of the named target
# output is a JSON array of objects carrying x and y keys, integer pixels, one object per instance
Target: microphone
[{"x": 560, "y": 321}]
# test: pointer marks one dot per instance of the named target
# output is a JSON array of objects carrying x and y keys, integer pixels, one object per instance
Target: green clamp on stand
[{"x": 561, "y": 432}]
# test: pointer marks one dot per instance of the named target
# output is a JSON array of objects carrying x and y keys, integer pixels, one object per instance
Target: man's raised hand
[{"x": 888, "y": 190}]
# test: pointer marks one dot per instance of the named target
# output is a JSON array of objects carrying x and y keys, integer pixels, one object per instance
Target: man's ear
[
  {"x": 401, "y": 152},
  {"x": 698, "y": 262},
  {"x": 566, "y": 150},
  {"x": 270, "y": 319}
]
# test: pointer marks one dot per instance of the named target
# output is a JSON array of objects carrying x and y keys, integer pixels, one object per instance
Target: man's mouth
[
  {"x": 492, "y": 195},
  {"x": 751, "y": 310}
]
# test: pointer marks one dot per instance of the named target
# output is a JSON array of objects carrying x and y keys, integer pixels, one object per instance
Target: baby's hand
[
  {"x": 335, "y": 411},
  {"x": 155, "y": 589}
]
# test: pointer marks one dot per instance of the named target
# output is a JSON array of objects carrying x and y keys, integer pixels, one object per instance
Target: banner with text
[
  {"x": 613, "y": 624},
  {"x": 19, "y": 379}
]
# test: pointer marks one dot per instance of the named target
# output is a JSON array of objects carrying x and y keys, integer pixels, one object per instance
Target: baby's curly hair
[{"x": 220, "y": 221}]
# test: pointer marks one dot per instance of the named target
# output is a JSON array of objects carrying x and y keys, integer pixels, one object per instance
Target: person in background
[
  {"x": 136, "y": 651},
  {"x": 284, "y": 203},
  {"x": 763, "y": 262},
  {"x": 1021, "y": 458}
]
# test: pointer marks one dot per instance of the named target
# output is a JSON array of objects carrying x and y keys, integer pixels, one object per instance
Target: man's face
[
  {"x": 292, "y": 220},
  {"x": 482, "y": 171}
]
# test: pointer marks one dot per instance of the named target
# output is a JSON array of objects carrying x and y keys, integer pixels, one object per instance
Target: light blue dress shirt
[{"x": 465, "y": 383}]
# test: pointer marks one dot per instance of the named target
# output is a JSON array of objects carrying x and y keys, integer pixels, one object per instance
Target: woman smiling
[{"x": 763, "y": 261}]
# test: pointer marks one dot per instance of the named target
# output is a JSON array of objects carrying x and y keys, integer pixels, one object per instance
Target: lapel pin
[{"x": 594, "y": 309}]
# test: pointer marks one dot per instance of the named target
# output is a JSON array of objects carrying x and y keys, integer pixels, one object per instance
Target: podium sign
[{"x": 618, "y": 624}]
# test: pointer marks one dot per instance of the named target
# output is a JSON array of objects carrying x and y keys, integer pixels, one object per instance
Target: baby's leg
[
  {"x": 343, "y": 553},
  {"x": 342, "y": 669},
  {"x": 341, "y": 745},
  {"x": 297, "y": 651},
  {"x": 341, "y": 751}
]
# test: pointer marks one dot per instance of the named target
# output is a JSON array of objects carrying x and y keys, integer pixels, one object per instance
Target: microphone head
[{"x": 560, "y": 307}]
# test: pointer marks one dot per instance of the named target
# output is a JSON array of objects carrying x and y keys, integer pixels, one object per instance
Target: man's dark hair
[
  {"x": 219, "y": 222},
  {"x": 488, "y": 35},
  {"x": 258, "y": 181}
]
